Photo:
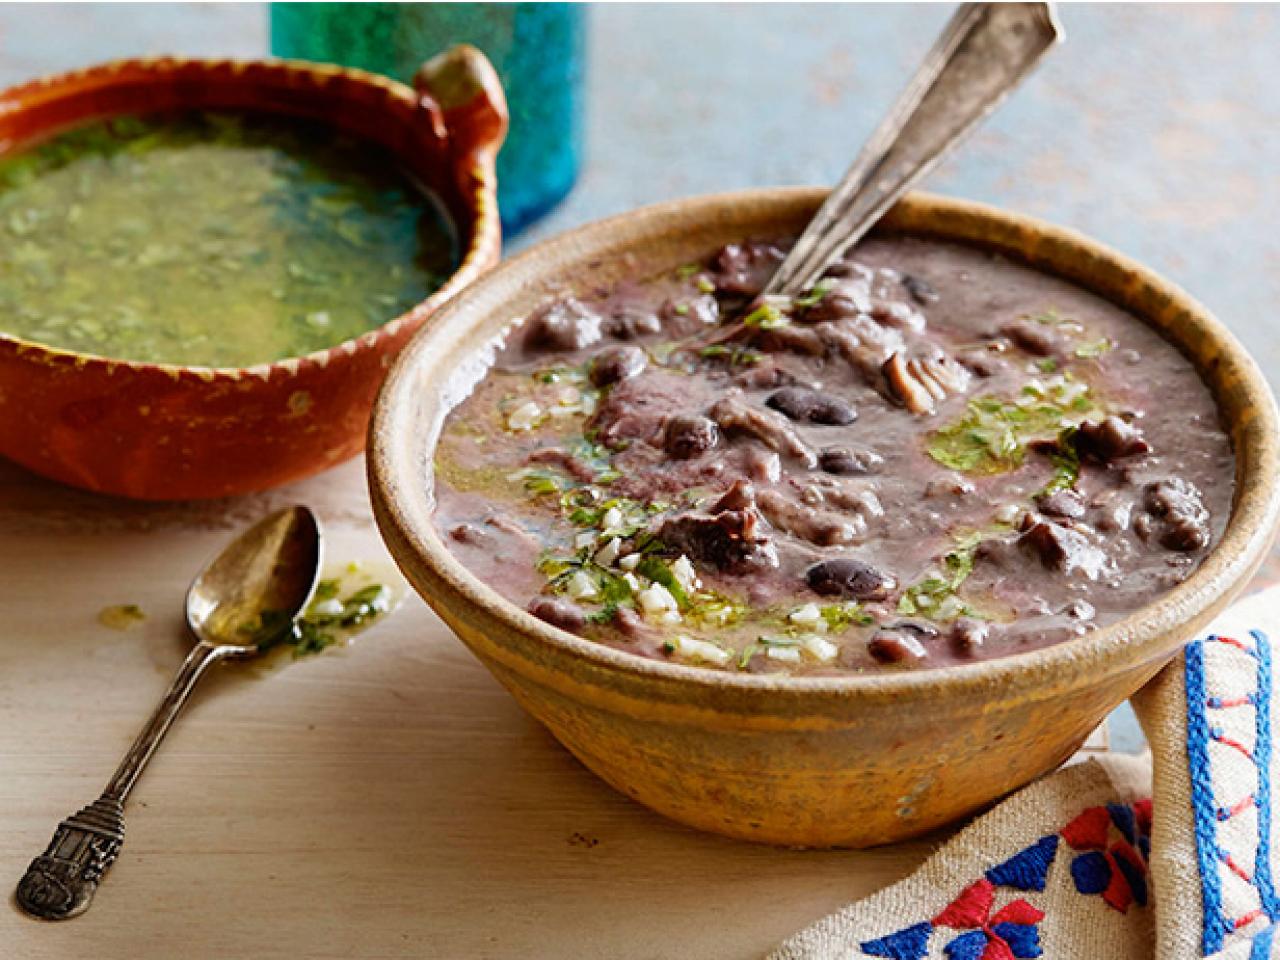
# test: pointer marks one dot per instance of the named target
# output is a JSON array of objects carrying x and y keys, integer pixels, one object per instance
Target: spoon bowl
[{"x": 252, "y": 591}]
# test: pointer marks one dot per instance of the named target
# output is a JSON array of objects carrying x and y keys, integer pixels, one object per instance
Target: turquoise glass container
[{"x": 537, "y": 48}]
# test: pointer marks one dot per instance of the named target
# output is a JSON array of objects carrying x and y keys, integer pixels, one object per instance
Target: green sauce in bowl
[{"x": 211, "y": 239}]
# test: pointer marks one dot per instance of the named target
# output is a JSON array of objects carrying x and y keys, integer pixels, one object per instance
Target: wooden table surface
[{"x": 385, "y": 800}]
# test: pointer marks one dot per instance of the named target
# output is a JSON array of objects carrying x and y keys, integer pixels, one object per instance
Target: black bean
[
  {"x": 849, "y": 578},
  {"x": 559, "y": 613},
  {"x": 687, "y": 437},
  {"x": 616, "y": 364},
  {"x": 799, "y": 403},
  {"x": 896, "y": 646},
  {"x": 846, "y": 462},
  {"x": 921, "y": 290}
]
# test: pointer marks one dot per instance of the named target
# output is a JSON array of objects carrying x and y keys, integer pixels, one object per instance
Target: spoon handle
[
  {"x": 986, "y": 50},
  {"x": 60, "y": 883}
]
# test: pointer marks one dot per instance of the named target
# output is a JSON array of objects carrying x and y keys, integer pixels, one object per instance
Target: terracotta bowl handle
[{"x": 461, "y": 91}]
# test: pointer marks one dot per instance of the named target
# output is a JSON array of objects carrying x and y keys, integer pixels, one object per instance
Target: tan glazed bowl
[{"x": 836, "y": 761}]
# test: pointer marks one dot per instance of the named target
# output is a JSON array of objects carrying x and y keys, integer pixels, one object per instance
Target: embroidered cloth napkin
[{"x": 1166, "y": 856}]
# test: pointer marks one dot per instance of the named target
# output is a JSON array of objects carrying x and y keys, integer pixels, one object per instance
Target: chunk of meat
[
  {"x": 616, "y": 364},
  {"x": 985, "y": 362},
  {"x": 742, "y": 269},
  {"x": 790, "y": 339},
  {"x": 1037, "y": 339},
  {"x": 731, "y": 535},
  {"x": 632, "y": 323},
  {"x": 1061, "y": 503},
  {"x": 764, "y": 376},
  {"x": 803, "y": 404},
  {"x": 862, "y": 343},
  {"x": 559, "y": 612},
  {"x": 1061, "y": 548},
  {"x": 561, "y": 325},
  {"x": 845, "y": 495},
  {"x": 822, "y": 527},
  {"x": 770, "y": 428},
  {"x": 682, "y": 318},
  {"x": 639, "y": 407},
  {"x": 967, "y": 636},
  {"x": 689, "y": 436},
  {"x": 1109, "y": 440},
  {"x": 849, "y": 578},
  {"x": 1177, "y": 506}
]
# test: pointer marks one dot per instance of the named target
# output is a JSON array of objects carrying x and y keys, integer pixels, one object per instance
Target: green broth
[{"x": 211, "y": 239}]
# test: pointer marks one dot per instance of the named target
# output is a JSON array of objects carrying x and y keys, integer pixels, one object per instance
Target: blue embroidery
[
  {"x": 1091, "y": 873},
  {"x": 1216, "y": 924},
  {"x": 1262, "y": 944},
  {"x": 1262, "y": 757},
  {"x": 1029, "y": 869},
  {"x": 967, "y": 946},
  {"x": 908, "y": 944},
  {"x": 1023, "y": 939}
]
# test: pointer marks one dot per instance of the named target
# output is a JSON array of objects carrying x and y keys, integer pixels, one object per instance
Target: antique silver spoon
[
  {"x": 986, "y": 50},
  {"x": 243, "y": 599}
]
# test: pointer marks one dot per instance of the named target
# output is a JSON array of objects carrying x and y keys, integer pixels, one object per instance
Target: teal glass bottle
[{"x": 537, "y": 48}]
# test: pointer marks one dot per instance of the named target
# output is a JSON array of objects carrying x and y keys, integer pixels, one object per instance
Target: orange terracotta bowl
[
  {"x": 161, "y": 432},
  {"x": 843, "y": 761}
]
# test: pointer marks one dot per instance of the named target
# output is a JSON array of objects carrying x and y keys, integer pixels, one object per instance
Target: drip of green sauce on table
[{"x": 211, "y": 239}]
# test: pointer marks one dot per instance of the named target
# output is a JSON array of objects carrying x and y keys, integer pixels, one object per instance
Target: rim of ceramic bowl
[
  {"x": 399, "y": 461},
  {"x": 480, "y": 239}
]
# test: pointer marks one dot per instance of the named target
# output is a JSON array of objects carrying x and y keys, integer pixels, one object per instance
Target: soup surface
[
  {"x": 932, "y": 457},
  {"x": 211, "y": 239}
]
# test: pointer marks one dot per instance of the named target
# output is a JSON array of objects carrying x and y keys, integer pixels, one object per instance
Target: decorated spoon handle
[
  {"x": 986, "y": 50},
  {"x": 60, "y": 883}
]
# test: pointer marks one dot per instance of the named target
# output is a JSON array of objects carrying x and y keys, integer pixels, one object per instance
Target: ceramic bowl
[
  {"x": 164, "y": 432},
  {"x": 836, "y": 761}
]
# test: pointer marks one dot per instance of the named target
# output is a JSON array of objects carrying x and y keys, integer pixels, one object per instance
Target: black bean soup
[{"x": 934, "y": 456}]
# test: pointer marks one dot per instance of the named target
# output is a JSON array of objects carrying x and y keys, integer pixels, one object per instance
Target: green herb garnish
[
  {"x": 936, "y": 596},
  {"x": 993, "y": 434},
  {"x": 766, "y": 317},
  {"x": 816, "y": 293},
  {"x": 1094, "y": 348}
]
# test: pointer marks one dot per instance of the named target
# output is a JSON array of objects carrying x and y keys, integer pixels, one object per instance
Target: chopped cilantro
[
  {"x": 1047, "y": 365},
  {"x": 682, "y": 309},
  {"x": 936, "y": 596},
  {"x": 841, "y": 616},
  {"x": 738, "y": 356},
  {"x": 1094, "y": 348},
  {"x": 766, "y": 317},
  {"x": 1066, "y": 464},
  {"x": 704, "y": 285},
  {"x": 687, "y": 271},
  {"x": 993, "y": 434},
  {"x": 539, "y": 482},
  {"x": 816, "y": 293}
]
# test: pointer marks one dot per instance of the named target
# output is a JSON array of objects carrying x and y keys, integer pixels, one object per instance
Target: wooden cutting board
[{"x": 385, "y": 800}]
